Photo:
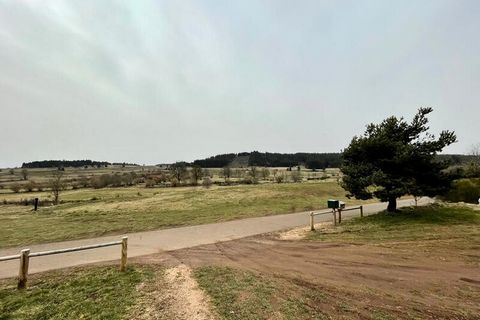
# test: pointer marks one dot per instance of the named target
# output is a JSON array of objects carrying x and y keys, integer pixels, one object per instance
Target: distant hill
[
  {"x": 309, "y": 160},
  {"x": 69, "y": 163},
  {"x": 268, "y": 159}
]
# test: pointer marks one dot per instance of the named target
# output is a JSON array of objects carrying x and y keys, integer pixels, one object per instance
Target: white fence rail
[
  {"x": 334, "y": 213},
  {"x": 25, "y": 256}
]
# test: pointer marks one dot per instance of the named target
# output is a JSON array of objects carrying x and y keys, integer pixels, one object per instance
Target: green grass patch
[
  {"x": 240, "y": 294},
  {"x": 434, "y": 222},
  {"x": 92, "y": 293},
  {"x": 120, "y": 210}
]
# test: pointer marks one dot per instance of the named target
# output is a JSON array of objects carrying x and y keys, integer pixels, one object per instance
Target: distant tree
[
  {"x": 83, "y": 181},
  {"x": 30, "y": 186},
  {"x": 279, "y": 178},
  {"x": 57, "y": 185},
  {"x": 227, "y": 172},
  {"x": 178, "y": 171},
  {"x": 207, "y": 173},
  {"x": 238, "y": 173},
  {"x": 265, "y": 173},
  {"x": 24, "y": 174},
  {"x": 274, "y": 172},
  {"x": 130, "y": 178},
  {"x": 196, "y": 174},
  {"x": 395, "y": 158},
  {"x": 296, "y": 176},
  {"x": 206, "y": 182},
  {"x": 149, "y": 183},
  {"x": 253, "y": 174},
  {"x": 15, "y": 187}
]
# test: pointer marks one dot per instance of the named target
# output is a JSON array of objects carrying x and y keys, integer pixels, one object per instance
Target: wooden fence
[
  {"x": 25, "y": 256},
  {"x": 334, "y": 213}
]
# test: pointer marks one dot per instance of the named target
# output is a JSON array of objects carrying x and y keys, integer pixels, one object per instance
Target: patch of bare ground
[
  {"x": 299, "y": 233},
  {"x": 174, "y": 294},
  {"x": 365, "y": 280}
]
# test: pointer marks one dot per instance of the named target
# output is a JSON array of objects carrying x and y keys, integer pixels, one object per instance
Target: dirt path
[
  {"x": 150, "y": 242},
  {"x": 173, "y": 294},
  {"x": 190, "y": 302}
]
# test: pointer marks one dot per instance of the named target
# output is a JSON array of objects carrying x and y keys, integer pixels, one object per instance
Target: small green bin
[{"x": 333, "y": 204}]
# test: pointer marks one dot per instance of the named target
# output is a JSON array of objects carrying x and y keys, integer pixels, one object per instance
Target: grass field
[
  {"x": 90, "y": 213},
  {"x": 238, "y": 294},
  {"x": 81, "y": 293},
  {"x": 431, "y": 223}
]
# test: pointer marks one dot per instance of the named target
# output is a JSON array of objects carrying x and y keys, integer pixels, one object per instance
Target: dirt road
[{"x": 144, "y": 243}]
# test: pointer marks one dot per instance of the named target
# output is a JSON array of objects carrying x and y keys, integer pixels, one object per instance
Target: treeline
[
  {"x": 218, "y": 161},
  {"x": 309, "y": 160},
  {"x": 65, "y": 163},
  {"x": 268, "y": 159}
]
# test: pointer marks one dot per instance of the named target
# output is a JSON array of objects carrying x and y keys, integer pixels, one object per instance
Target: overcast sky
[{"x": 159, "y": 81}]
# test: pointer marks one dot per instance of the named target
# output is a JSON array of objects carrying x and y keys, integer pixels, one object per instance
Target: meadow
[{"x": 86, "y": 213}]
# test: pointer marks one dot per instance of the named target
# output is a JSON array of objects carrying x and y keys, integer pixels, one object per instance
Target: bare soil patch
[
  {"x": 173, "y": 294},
  {"x": 403, "y": 281}
]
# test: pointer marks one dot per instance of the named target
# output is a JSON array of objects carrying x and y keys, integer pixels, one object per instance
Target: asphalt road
[{"x": 149, "y": 242}]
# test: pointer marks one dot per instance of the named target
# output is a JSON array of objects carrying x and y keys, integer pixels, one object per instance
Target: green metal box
[{"x": 333, "y": 204}]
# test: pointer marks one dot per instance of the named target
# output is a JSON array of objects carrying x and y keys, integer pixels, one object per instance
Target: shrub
[
  {"x": 15, "y": 187},
  {"x": 265, "y": 173},
  {"x": 206, "y": 182},
  {"x": 102, "y": 181},
  {"x": 472, "y": 170},
  {"x": 466, "y": 190},
  {"x": 174, "y": 182},
  {"x": 279, "y": 178},
  {"x": 83, "y": 181},
  {"x": 296, "y": 176},
  {"x": 149, "y": 183},
  {"x": 30, "y": 186}
]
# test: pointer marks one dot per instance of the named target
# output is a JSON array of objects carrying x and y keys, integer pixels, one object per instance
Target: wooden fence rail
[
  {"x": 334, "y": 213},
  {"x": 25, "y": 256}
]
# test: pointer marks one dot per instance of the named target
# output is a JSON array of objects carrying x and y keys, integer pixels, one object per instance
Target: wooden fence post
[
  {"x": 123, "y": 263},
  {"x": 312, "y": 223},
  {"x": 334, "y": 217},
  {"x": 339, "y": 216},
  {"x": 23, "y": 271},
  {"x": 361, "y": 211}
]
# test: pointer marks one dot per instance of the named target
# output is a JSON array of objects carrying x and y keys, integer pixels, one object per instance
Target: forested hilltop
[
  {"x": 309, "y": 160},
  {"x": 242, "y": 159},
  {"x": 268, "y": 159},
  {"x": 69, "y": 163}
]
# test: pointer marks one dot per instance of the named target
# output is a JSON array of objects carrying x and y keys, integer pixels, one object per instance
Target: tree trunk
[{"x": 392, "y": 204}]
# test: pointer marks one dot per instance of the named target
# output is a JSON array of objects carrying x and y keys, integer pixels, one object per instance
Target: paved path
[{"x": 143, "y": 243}]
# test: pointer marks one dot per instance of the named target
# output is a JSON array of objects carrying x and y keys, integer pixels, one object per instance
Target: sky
[{"x": 161, "y": 81}]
